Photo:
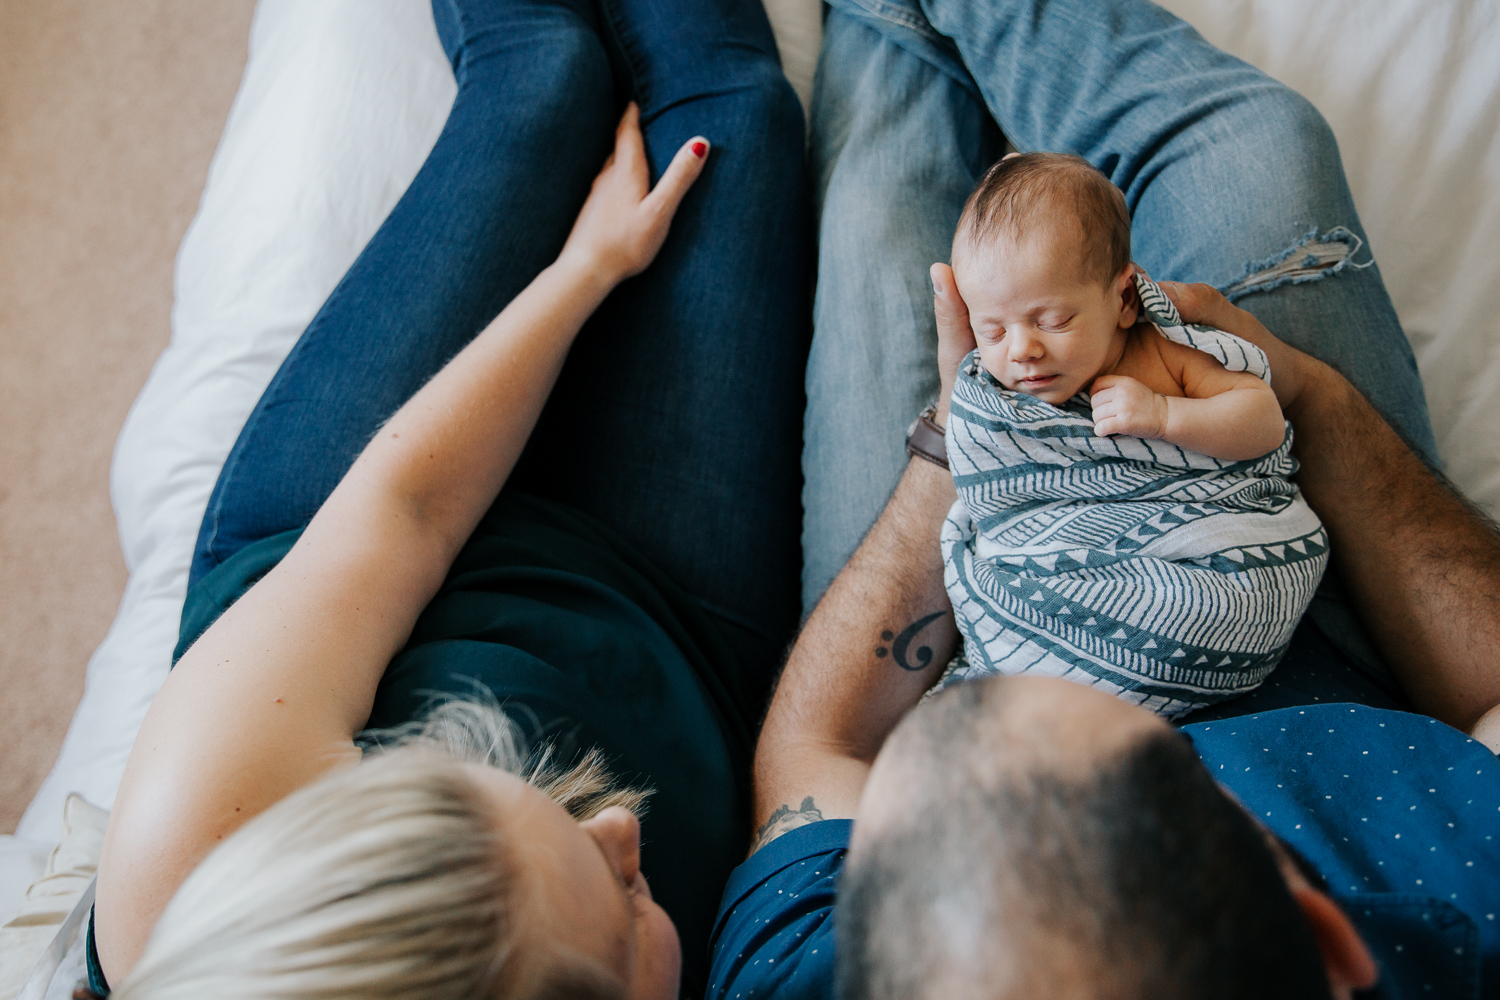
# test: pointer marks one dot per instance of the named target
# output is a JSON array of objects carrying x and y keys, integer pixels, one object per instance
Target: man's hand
[
  {"x": 1291, "y": 369},
  {"x": 1123, "y": 405},
  {"x": 625, "y": 221},
  {"x": 955, "y": 335},
  {"x": 1422, "y": 566}
]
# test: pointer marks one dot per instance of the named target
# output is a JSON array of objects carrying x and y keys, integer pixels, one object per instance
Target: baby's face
[{"x": 1042, "y": 329}]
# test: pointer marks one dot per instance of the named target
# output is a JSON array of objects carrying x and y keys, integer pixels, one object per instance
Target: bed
[{"x": 342, "y": 99}]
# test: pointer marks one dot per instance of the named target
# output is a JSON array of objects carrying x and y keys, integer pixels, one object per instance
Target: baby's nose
[{"x": 1025, "y": 345}]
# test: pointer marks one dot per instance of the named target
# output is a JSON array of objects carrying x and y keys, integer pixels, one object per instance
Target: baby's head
[{"x": 1042, "y": 259}]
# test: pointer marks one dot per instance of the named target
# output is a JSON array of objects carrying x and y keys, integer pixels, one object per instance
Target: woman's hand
[
  {"x": 955, "y": 335},
  {"x": 625, "y": 220}
]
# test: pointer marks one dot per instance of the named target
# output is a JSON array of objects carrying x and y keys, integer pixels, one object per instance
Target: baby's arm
[{"x": 1227, "y": 415}]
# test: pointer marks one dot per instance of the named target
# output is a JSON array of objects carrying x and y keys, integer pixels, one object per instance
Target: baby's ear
[{"x": 1130, "y": 303}]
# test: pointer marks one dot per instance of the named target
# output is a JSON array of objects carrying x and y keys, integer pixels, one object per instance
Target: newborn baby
[{"x": 1125, "y": 514}]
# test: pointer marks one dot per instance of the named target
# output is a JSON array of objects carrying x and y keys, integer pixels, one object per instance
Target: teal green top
[{"x": 586, "y": 644}]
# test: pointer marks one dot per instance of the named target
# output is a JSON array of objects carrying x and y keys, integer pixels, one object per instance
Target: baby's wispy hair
[{"x": 1026, "y": 195}]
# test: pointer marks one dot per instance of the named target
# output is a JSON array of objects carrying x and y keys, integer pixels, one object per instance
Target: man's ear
[
  {"x": 1130, "y": 303},
  {"x": 1348, "y": 961}
]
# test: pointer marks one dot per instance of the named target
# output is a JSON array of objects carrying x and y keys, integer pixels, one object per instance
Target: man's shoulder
[
  {"x": 1366, "y": 774},
  {"x": 774, "y": 932},
  {"x": 1395, "y": 810}
]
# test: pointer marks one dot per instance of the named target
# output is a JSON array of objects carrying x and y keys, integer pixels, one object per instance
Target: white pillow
[
  {"x": 51, "y": 898},
  {"x": 340, "y": 103}
]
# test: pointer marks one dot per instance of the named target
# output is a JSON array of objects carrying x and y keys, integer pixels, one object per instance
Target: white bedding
[{"x": 342, "y": 99}]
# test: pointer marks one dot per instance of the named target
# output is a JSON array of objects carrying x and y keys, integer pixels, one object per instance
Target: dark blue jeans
[{"x": 677, "y": 419}]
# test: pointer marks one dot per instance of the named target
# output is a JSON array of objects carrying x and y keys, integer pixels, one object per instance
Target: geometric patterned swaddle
[{"x": 1168, "y": 578}]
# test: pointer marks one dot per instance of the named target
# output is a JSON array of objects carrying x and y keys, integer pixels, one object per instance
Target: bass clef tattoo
[{"x": 902, "y": 644}]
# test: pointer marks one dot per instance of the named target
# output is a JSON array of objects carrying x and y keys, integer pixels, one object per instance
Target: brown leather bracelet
[{"x": 925, "y": 439}]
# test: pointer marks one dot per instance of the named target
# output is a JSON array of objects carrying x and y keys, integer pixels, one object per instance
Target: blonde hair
[{"x": 386, "y": 880}]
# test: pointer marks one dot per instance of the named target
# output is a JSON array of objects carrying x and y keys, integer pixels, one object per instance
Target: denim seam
[
  {"x": 891, "y": 12},
  {"x": 952, "y": 67},
  {"x": 719, "y": 611},
  {"x": 623, "y": 40},
  {"x": 232, "y": 460},
  {"x": 461, "y": 51}
]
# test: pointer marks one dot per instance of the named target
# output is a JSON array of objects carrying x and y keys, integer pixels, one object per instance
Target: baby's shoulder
[{"x": 1151, "y": 358}]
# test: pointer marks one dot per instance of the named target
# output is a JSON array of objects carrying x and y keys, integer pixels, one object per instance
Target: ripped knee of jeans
[{"x": 1316, "y": 255}]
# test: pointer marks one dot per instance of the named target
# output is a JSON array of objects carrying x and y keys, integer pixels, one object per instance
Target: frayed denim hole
[{"x": 1315, "y": 256}]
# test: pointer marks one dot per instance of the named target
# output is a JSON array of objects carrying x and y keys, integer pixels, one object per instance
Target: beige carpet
[{"x": 109, "y": 113}]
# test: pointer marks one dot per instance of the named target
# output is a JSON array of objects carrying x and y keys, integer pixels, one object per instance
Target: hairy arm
[
  {"x": 270, "y": 697},
  {"x": 1227, "y": 415},
  {"x": 1422, "y": 565},
  {"x": 874, "y": 644}
]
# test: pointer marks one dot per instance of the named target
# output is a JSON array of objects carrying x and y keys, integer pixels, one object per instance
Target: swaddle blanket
[{"x": 1168, "y": 578}]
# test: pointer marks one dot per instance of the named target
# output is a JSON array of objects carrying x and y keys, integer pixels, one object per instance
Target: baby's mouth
[{"x": 1037, "y": 381}]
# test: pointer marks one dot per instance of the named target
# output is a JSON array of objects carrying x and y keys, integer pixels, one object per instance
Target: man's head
[
  {"x": 1027, "y": 837},
  {"x": 1042, "y": 259}
]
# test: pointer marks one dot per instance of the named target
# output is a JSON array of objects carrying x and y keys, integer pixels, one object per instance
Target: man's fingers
[
  {"x": 679, "y": 176},
  {"x": 946, "y": 289},
  {"x": 1199, "y": 303},
  {"x": 952, "y": 311}
]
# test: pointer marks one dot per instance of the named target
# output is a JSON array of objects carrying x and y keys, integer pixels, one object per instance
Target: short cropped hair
[
  {"x": 1014, "y": 877},
  {"x": 1027, "y": 194}
]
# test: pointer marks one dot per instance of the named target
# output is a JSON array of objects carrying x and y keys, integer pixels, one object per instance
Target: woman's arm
[
  {"x": 270, "y": 697},
  {"x": 1422, "y": 565}
]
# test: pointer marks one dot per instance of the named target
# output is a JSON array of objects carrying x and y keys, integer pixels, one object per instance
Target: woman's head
[{"x": 445, "y": 866}]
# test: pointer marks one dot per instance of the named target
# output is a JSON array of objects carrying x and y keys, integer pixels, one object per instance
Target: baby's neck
[{"x": 1117, "y": 345}]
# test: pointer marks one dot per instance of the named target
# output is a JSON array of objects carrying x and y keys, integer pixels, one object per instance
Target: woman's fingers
[
  {"x": 678, "y": 177},
  {"x": 630, "y": 147},
  {"x": 624, "y": 222}
]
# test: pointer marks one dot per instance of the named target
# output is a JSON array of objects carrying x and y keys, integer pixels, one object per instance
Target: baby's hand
[{"x": 1123, "y": 405}]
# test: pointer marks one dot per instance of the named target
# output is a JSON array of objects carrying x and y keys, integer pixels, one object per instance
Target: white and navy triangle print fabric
[{"x": 1168, "y": 578}]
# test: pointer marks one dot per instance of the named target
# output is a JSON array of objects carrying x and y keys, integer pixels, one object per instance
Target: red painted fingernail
[{"x": 699, "y": 148}]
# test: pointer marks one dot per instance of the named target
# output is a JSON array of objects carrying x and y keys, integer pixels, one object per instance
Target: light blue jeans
[{"x": 1231, "y": 179}]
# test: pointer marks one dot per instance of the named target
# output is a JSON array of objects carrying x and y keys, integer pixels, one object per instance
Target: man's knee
[{"x": 1294, "y": 136}]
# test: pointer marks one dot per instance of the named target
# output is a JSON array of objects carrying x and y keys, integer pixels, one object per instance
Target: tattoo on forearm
[
  {"x": 901, "y": 646},
  {"x": 784, "y": 820}
]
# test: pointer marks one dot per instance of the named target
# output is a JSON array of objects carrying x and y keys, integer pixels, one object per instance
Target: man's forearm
[
  {"x": 874, "y": 644},
  {"x": 1423, "y": 568}
]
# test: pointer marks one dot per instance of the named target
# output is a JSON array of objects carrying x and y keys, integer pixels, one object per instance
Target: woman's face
[{"x": 588, "y": 876}]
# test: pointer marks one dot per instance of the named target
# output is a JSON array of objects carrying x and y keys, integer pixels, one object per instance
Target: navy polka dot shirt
[{"x": 1398, "y": 812}]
